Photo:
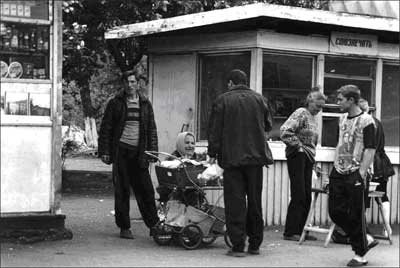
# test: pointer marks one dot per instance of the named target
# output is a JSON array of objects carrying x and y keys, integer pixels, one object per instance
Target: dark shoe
[
  {"x": 354, "y": 262},
  {"x": 253, "y": 251},
  {"x": 235, "y": 253},
  {"x": 291, "y": 237},
  {"x": 126, "y": 233},
  {"x": 311, "y": 238}
]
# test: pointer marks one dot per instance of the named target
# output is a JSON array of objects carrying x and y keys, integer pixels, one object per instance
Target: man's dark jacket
[
  {"x": 113, "y": 124},
  {"x": 237, "y": 126}
]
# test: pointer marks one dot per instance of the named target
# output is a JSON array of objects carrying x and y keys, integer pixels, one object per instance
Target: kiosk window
[
  {"x": 31, "y": 104},
  {"x": 285, "y": 83},
  {"x": 39, "y": 104},
  {"x": 214, "y": 71},
  {"x": 340, "y": 72},
  {"x": 390, "y": 104},
  {"x": 24, "y": 51},
  {"x": 16, "y": 103}
]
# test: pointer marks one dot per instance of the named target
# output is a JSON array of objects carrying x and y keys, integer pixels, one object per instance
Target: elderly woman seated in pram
[
  {"x": 184, "y": 207},
  {"x": 185, "y": 147},
  {"x": 185, "y": 150}
]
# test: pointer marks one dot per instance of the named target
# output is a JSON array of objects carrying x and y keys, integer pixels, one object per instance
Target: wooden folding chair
[
  {"x": 378, "y": 195},
  {"x": 308, "y": 227}
]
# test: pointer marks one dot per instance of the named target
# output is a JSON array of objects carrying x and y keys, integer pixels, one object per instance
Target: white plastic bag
[
  {"x": 213, "y": 171},
  {"x": 176, "y": 213},
  {"x": 170, "y": 164}
]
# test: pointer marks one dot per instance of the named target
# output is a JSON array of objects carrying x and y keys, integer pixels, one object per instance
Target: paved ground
[{"x": 96, "y": 244}]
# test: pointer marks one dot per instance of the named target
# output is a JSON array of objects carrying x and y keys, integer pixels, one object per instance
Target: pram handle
[{"x": 155, "y": 153}]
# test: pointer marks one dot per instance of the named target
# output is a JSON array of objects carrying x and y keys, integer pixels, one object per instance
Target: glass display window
[
  {"x": 286, "y": 81},
  {"x": 22, "y": 103},
  {"x": 390, "y": 113},
  {"x": 25, "y": 31},
  {"x": 2, "y": 103},
  {"x": 345, "y": 71},
  {"x": 330, "y": 131},
  {"x": 16, "y": 103},
  {"x": 341, "y": 71},
  {"x": 39, "y": 104},
  {"x": 24, "y": 51},
  {"x": 213, "y": 82},
  {"x": 26, "y": 101}
]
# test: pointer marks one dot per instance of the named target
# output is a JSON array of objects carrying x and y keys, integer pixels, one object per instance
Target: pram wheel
[
  {"x": 191, "y": 236},
  {"x": 227, "y": 240},
  {"x": 208, "y": 240},
  {"x": 162, "y": 236}
]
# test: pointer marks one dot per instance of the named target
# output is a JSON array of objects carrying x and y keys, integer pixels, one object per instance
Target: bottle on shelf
[
  {"x": 14, "y": 38},
  {"x": 45, "y": 39},
  {"x": 26, "y": 40},
  {"x": 40, "y": 42},
  {"x": 7, "y": 38},
  {"x": 2, "y": 33},
  {"x": 21, "y": 39},
  {"x": 32, "y": 40}
]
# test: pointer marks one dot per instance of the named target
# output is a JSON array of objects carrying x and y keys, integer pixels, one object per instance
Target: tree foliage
[{"x": 89, "y": 70}]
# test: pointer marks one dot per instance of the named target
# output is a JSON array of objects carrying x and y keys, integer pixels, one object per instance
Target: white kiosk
[{"x": 31, "y": 110}]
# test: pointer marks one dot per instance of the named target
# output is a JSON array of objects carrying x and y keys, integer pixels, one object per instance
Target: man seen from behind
[{"x": 236, "y": 138}]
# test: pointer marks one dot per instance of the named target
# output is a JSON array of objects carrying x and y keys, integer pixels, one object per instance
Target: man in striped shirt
[{"x": 127, "y": 130}]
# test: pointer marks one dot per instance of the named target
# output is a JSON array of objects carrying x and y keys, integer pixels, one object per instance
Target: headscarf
[{"x": 180, "y": 142}]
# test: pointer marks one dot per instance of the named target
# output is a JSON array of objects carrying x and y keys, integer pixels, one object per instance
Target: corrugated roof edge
[{"x": 253, "y": 11}]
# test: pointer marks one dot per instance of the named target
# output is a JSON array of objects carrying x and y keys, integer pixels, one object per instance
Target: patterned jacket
[{"x": 300, "y": 130}]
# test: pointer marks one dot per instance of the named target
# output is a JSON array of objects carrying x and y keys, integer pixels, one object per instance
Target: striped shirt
[{"x": 130, "y": 134}]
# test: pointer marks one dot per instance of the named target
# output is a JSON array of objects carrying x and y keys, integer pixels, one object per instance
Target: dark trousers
[
  {"x": 346, "y": 208},
  {"x": 131, "y": 175},
  {"x": 300, "y": 173},
  {"x": 243, "y": 219}
]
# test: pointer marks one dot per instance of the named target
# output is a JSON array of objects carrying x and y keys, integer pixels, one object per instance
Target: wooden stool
[
  {"x": 308, "y": 227},
  {"x": 378, "y": 195}
]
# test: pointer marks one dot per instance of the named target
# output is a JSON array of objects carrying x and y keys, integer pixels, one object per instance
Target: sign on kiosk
[{"x": 351, "y": 43}]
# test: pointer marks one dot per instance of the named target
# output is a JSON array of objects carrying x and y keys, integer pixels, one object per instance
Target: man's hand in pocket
[{"x": 106, "y": 159}]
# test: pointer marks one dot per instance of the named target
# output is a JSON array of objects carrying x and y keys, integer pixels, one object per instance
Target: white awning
[{"x": 250, "y": 12}]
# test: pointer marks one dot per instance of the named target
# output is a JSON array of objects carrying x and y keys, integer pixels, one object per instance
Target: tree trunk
[
  {"x": 91, "y": 132},
  {"x": 86, "y": 100},
  {"x": 88, "y": 112}
]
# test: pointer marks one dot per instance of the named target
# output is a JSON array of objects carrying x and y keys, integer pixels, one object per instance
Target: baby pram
[{"x": 186, "y": 215}]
